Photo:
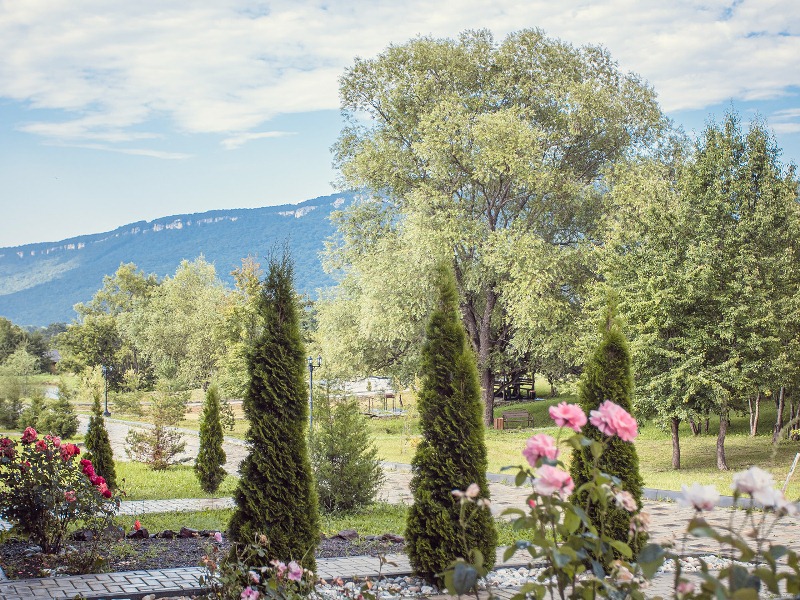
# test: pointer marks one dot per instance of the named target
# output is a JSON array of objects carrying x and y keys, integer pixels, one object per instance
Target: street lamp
[
  {"x": 106, "y": 370},
  {"x": 311, "y": 367}
]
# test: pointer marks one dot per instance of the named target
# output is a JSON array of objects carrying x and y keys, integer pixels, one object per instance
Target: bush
[
  {"x": 452, "y": 453},
  {"x": 160, "y": 445},
  {"x": 211, "y": 457},
  {"x": 45, "y": 491},
  {"x": 59, "y": 419},
  {"x": 29, "y": 416},
  {"x": 345, "y": 461},
  {"x": 98, "y": 446},
  {"x": 276, "y": 494},
  {"x": 607, "y": 377}
]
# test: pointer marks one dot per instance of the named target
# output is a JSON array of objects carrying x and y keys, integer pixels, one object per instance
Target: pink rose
[
  {"x": 472, "y": 491},
  {"x": 626, "y": 501},
  {"x": 254, "y": 577},
  {"x": 87, "y": 467},
  {"x": 218, "y": 537},
  {"x": 41, "y": 446},
  {"x": 103, "y": 490},
  {"x": 295, "y": 571},
  {"x": 249, "y": 593},
  {"x": 611, "y": 419},
  {"x": 280, "y": 567},
  {"x": 29, "y": 435},
  {"x": 97, "y": 480},
  {"x": 70, "y": 496},
  {"x": 685, "y": 587},
  {"x": 568, "y": 415},
  {"x": 550, "y": 480},
  {"x": 56, "y": 441},
  {"x": 68, "y": 451},
  {"x": 538, "y": 446}
]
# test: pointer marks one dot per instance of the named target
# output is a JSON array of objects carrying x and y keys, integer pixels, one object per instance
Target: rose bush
[
  {"x": 582, "y": 562},
  {"x": 44, "y": 490}
]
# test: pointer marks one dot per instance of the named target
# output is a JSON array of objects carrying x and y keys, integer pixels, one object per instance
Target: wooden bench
[{"x": 521, "y": 417}]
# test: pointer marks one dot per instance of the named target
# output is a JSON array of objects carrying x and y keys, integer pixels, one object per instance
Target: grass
[
  {"x": 213, "y": 520},
  {"x": 141, "y": 483}
]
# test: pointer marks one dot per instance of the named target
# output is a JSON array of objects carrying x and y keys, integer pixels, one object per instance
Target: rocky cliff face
[{"x": 40, "y": 283}]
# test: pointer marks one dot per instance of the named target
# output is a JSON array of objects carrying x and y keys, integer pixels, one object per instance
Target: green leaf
[
  {"x": 622, "y": 548},
  {"x": 651, "y": 558},
  {"x": 460, "y": 578},
  {"x": 520, "y": 478}
]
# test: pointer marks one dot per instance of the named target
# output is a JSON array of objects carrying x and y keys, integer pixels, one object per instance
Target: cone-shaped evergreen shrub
[
  {"x": 452, "y": 453},
  {"x": 98, "y": 446},
  {"x": 211, "y": 456},
  {"x": 607, "y": 376},
  {"x": 276, "y": 495}
]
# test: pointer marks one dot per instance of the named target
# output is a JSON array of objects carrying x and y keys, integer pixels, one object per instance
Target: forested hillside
[{"x": 40, "y": 283}]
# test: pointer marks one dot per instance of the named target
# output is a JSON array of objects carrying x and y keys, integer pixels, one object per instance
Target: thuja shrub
[
  {"x": 345, "y": 460},
  {"x": 46, "y": 490},
  {"x": 607, "y": 378},
  {"x": 276, "y": 495},
  {"x": 211, "y": 457},
  {"x": 98, "y": 445},
  {"x": 452, "y": 453}
]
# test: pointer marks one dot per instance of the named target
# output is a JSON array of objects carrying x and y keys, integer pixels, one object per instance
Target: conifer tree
[
  {"x": 276, "y": 495},
  {"x": 607, "y": 376},
  {"x": 452, "y": 453},
  {"x": 211, "y": 457},
  {"x": 98, "y": 445}
]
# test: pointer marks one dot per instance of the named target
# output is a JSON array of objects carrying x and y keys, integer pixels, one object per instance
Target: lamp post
[
  {"x": 106, "y": 370},
  {"x": 311, "y": 367}
]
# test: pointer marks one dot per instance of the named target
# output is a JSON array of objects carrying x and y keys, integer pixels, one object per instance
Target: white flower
[
  {"x": 772, "y": 498},
  {"x": 752, "y": 481},
  {"x": 701, "y": 497}
]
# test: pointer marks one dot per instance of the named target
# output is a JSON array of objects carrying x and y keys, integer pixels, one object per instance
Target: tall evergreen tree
[
  {"x": 98, "y": 445},
  {"x": 211, "y": 456},
  {"x": 607, "y": 376},
  {"x": 276, "y": 495},
  {"x": 452, "y": 453}
]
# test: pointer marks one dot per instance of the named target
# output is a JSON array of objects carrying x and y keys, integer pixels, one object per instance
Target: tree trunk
[
  {"x": 676, "y": 443},
  {"x": 754, "y": 406},
  {"x": 722, "y": 464},
  {"x": 553, "y": 390},
  {"x": 781, "y": 404},
  {"x": 487, "y": 389},
  {"x": 695, "y": 427},
  {"x": 707, "y": 422}
]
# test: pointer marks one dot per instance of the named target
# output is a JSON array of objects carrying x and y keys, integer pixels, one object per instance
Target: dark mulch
[{"x": 20, "y": 560}]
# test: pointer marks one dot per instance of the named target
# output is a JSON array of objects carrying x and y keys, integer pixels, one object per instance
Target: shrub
[
  {"x": 452, "y": 453},
  {"x": 211, "y": 456},
  {"x": 160, "y": 445},
  {"x": 45, "y": 491},
  {"x": 98, "y": 446},
  {"x": 29, "y": 416},
  {"x": 346, "y": 465},
  {"x": 607, "y": 377},
  {"x": 276, "y": 493}
]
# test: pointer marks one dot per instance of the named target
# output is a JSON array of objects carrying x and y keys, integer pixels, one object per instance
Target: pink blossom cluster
[
  {"x": 551, "y": 480},
  {"x": 611, "y": 419},
  {"x": 568, "y": 415},
  {"x": 540, "y": 446}
]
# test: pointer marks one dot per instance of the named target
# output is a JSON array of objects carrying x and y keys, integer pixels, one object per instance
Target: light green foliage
[
  {"x": 211, "y": 457},
  {"x": 470, "y": 148},
  {"x": 179, "y": 329},
  {"x": 452, "y": 452},
  {"x": 56, "y": 417},
  {"x": 276, "y": 495},
  {"x": 16, "y": 384},
  {"x": 346, "y": 466},
  {"x": 159, "y": 446}
]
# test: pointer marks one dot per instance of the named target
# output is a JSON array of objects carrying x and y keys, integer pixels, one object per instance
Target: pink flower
[
  {"x": 568, "y": 415},
  {"x": 472, "y": 491},
  {"x": 217, "y": 537},
  {"x": 137, "y": 525},
  {"x": 626, "y": 501},
  {"x": 685, "y": 587},
  {"x": 532, "y": 503},
  {"x": 280, "y": 567},
  {"x": 539, "y": 446},
  {"x": 29, "y": 435},
  {"x": 295, "y": 571},
  {"x": 97, "y": 480},
  {"x": 752, "y": 481},
  {"x": 254, "y": 577},
  {"x": 640, "y": 523},
  {"x": 611, "y": 419},
  {"x": 68, "y": 451},
  {"x": 249, "y": 593},
  {"x": 87, "y": 468},
  {"x": 550, "y": 480},
  {"x": 56, "y": 441},
  {"x": 41, "y": 446},
  {"x": 700, "y": 497},
  {"x": 69, "y": 496},
  {"x": 103, "y": 490}
]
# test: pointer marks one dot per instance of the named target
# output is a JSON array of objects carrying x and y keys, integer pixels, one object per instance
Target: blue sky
[{"x": 112, "y": 112}]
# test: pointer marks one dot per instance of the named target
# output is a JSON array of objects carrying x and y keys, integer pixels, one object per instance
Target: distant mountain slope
[{"x": 40, "y": 283}]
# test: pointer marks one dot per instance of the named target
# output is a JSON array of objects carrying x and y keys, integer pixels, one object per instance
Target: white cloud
[
  {"x": 235, "y": 141},
  {"x": 227, "y": 67}
]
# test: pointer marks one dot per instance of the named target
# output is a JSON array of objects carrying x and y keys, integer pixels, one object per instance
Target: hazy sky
[{"x": 112, "y": 112}]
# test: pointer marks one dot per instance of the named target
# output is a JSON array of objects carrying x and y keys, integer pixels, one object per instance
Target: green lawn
[{"x": 141, "y": 483}]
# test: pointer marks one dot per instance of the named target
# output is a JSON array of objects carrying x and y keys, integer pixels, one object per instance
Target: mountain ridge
[{"x": 40, "y": 282}]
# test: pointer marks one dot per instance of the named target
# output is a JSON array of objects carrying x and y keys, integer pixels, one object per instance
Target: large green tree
[
  {"x": 276, "y": 495},
  {"x": 452, "y": 452},
  {"x": 468, "y": 147}
]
